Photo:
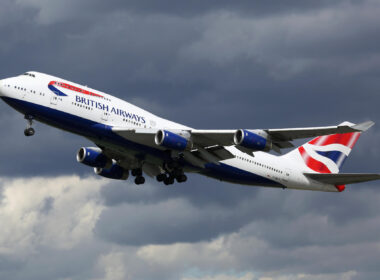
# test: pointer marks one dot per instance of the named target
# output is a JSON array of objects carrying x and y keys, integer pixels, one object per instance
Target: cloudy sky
[{"x": 207, "y": 64}]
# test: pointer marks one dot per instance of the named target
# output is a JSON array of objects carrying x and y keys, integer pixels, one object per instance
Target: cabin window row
[
  {"x": 260, "y": 164},
  {"x": 24, "y": 89},
  {"x": 82, "y": 106}
]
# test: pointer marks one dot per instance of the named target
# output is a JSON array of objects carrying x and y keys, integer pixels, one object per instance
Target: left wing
[
  {"x": 208, "y": 145},
  {"x": 279, "y": 137}
]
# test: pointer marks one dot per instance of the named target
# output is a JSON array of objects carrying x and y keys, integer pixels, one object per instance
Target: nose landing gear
[{"x": 29, "y": 130}]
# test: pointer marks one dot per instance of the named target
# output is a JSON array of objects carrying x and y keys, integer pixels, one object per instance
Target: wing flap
[
  {"x": 208, "y": 137},
  {"x": 220, "y": 152},
  {"x": 343, "y": 178},
  {"x": 139, "y": 135}
]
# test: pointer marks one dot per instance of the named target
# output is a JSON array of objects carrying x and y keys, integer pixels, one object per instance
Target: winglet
[{"x": 363, "y": 126}]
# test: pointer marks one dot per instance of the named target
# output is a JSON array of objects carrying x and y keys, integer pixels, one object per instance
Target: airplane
[{"x": 130, "y": 140}]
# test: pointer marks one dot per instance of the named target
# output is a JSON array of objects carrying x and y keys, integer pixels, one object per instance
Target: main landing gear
[
  {"x": 139, "y": 180},
  {"x": 168, "y": 178},
  {"x": 29, "y": 130}
]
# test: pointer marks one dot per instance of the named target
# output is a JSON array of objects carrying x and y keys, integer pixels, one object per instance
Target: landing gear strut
[
  {"x": 139, "y": 180},
  {"x": 29, "y": 130}
]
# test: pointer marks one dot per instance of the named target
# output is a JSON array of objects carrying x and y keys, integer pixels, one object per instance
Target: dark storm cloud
[
  {"x": 185, "y": 9},
  {"x": 241, "y": 64},
  {"x": 49, "y": 152},
  {"x": 176, "y": 62}
]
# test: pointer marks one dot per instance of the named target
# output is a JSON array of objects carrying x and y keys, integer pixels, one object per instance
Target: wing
[
  {"x": 281, "y": 137},
  {"x": 343, "y": 178},
  {"x": 202, "y": 146},
  {"x": 198, "y": 155}
]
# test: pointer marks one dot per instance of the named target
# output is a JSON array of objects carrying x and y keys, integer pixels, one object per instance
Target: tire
[
  {"x": 139, "y": 180},
  {"x": 29, "y": 131},
  {"x": 181, "y": 178},
  {"x": 160, "y": 177},
  {"x": 168, "y": 181}
]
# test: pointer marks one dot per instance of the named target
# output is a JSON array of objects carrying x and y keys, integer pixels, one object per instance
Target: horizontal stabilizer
[
  {"x": 363, "y": 126},
  {"x": 343, "y": 178}
]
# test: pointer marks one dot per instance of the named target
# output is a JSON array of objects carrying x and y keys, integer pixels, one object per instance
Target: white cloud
[
  {"x": 56, "y": 212},
  {"x": 113, "y": 266},
  {"x": 59, "y": 214},
  {"x": 54, "y": 11}
]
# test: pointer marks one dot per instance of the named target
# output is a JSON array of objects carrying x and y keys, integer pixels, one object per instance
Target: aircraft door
[
  {"x": 54, "y": 99},
  {"x": 104, "y": 116},
  {"x": 286, "y": 175}
]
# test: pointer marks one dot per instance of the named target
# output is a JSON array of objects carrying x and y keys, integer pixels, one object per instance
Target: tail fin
[{"x": 326, "y": 154}]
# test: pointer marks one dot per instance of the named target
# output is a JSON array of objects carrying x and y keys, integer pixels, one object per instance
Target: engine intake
[
  {"x": 172, "y": 140},
  {"x": 114, "y": 172},
  {"x": 252, "y": 140},
  {"x": 93, "y": 157}
]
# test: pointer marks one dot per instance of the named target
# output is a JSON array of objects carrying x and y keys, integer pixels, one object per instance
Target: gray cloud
[{"x": 240, "y": 64}]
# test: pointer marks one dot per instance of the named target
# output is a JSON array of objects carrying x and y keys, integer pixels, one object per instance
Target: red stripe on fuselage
[
  {"x": 313, "y": 164},
  {"x": 77, "y": 89}
]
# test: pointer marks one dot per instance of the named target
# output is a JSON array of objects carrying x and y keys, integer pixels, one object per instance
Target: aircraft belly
[{"x": 232, "y": 174}]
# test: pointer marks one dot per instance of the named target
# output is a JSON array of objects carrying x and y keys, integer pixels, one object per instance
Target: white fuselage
[{"x": 84, "y": 108}]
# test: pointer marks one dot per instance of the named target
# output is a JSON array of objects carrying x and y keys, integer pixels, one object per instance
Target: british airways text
[{"x": 113, "y": 110}]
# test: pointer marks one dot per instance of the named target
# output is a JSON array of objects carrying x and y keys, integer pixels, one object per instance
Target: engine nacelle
[
  {"x": 93, "y": 157},
  {"x": 172, "y": 140},
  {"x": 253, "y": 140},
  {"x": 114, "y": 172}
]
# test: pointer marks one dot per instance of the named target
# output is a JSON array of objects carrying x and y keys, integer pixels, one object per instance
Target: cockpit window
[{"x": 29, "y": 74}]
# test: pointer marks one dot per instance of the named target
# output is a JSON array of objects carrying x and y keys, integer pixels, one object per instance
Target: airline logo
[
  {"x": 326, "y": 154},
  {"x": 54, "y": 87}
]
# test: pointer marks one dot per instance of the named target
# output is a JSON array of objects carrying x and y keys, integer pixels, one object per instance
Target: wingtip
[{"x": 363, "y": 126}]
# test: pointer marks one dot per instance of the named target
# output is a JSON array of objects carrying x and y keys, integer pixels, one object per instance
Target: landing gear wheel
[
  {"x": 139, "y": 180},
  {"x": 161, "y": 177},
  {"x": 169, "y": 180},
  {"x": 29, "y": 131},
  {"x": 182, "y": 178}
]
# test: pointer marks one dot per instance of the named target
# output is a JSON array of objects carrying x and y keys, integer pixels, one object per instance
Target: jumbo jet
[{"x": 130, "y": 140}]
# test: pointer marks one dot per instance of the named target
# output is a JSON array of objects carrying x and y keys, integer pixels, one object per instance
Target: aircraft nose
[{"x": 1, "y": 87}]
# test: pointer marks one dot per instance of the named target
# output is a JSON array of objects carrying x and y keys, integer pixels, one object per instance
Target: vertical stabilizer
[{"x": 325, "y": 154}]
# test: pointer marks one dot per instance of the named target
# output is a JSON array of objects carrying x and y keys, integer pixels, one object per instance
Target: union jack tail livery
[{"x": 327, "y": 153}]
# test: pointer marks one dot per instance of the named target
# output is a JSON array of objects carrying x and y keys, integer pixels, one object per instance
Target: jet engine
[
  {"x": 114, "y": 172},
  {"x": 173, "y": 140},
  {"x": 93, "y": 157},
  {"x": 255, "y": 140}
]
